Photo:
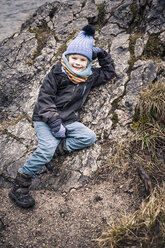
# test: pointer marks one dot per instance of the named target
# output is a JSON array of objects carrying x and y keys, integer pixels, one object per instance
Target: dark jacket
[{"x": 60, "y": 98}]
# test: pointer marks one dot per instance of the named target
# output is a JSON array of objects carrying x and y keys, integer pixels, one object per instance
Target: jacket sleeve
[
  {"x": 106, "y": 71},
  {"x": 47, "y": 110}
]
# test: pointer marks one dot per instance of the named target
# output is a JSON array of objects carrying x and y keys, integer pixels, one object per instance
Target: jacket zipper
[{"x": 73, "y": 96}]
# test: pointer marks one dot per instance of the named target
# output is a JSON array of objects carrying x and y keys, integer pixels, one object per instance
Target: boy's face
[{"x": 78, "y": 62}]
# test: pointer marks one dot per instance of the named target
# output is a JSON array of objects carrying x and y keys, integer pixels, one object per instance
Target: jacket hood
[{"x": 57, "y": 69}]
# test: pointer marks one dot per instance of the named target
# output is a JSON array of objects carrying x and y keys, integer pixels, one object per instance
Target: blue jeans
[{"x": 79, "y": 136}]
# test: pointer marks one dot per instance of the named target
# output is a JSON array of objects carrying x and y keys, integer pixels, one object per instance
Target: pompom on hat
[{"x": 83, "y": 43}]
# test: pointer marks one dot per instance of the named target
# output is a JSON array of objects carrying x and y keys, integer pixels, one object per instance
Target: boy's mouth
[{"x": 77, "y": 67}]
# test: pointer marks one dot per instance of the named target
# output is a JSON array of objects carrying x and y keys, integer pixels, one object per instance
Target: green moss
[
  {"x": 83, "y": 4},
  {"x": 62, "y": 49},
  {"x": 114, "y": 120},
  {"x": 29, "y": 61},
  {"x": 133, "y": 59},
  {"x": 133, "y": 8},
  {"x": 154, "y": 47},
  {"x": 42, "y": 35},
  {"x": 97, "y": 27},
  {"x": 5, "y": 124},
  {"x": 133, "y": 38},
  {"x": 137, "y": 15},
  {"x": 115, "y": 103},
  {"x": 101, "y": 14}
]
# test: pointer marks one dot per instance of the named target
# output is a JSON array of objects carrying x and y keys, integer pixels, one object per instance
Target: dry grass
[
  {"x": 149, "y": 131},
  {"x": 148, "y": 128},
  {"x": 145, "y": 228},
  {"x": 150, "y": 116},
  {"x": 152, "y": 103}
]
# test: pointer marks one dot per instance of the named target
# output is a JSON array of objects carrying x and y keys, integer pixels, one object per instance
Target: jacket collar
[{"x": 58, "y": 69}]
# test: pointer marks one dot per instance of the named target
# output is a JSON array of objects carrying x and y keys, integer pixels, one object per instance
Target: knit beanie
[{"x": 83, "y": 43}]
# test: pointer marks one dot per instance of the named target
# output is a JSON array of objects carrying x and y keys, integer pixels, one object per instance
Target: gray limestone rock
[
  {"x": 154, "y": 17},
  {"x": 162, "y": 37},
  {"x": 12, "y": 150},
  {"x": 120, "y": 52},
  {"x": 142, "y": 74},
  {"x": 121, "y": 12},
  {"x": 140, "y": 45},
  {"x": 90, "y": 11}
]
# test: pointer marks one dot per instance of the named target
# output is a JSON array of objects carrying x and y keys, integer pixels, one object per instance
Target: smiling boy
[
  {"x": 56, "y": 113},
  {"x": 77, "y": 62}
]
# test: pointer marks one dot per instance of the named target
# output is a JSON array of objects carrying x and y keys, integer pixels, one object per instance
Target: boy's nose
[{"x": 78, "y": 62}]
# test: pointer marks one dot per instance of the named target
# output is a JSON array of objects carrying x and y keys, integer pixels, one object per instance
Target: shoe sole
[{"x": 12, "y": 197}]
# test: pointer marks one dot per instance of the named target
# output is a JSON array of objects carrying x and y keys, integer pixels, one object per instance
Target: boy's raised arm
[{"x": 107, "y": 70}]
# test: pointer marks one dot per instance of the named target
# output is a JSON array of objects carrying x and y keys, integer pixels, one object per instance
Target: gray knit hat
[{"x": 83, "y": 43}]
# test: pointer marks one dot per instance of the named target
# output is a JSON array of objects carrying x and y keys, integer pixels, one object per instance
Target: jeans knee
[{"x": 91, "y": 138}]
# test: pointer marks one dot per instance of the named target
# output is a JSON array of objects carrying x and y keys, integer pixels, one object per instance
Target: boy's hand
[
  {"x": 96, "y": 52},
  {"x": 58, "y": 129}
]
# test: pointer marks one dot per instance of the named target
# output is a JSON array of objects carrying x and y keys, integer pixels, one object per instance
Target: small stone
[{"x": 72, "y": 191}]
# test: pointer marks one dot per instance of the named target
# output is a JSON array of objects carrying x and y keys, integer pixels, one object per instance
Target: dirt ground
[{"x": 73, "y": 220}]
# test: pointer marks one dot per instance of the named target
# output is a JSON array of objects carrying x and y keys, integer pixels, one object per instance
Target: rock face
[{"x": 132, "y": 31}]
